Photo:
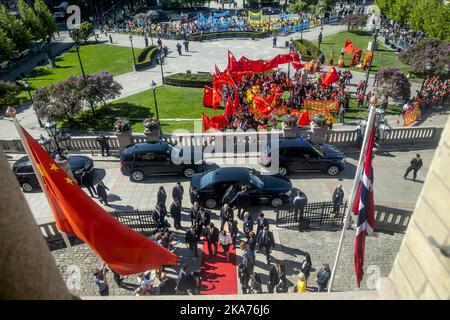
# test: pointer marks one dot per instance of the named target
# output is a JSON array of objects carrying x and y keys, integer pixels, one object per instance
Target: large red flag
[
  {"x": 224, "y": 78},
  {"x": 236, "y": 99},
  {"x": 216, "y": 122},
  {"x": 297, "y": 65},
  {"x": 229, "y": 109},
  {"x": 331, "y": 77},
  {"x": 304, "y": 120},
  {"x": 364, "y": 208},
  {"x": 217, "y": 72},
  {"x": 207, "y": 96},
  {"x": 349, "y": 47},
  {"x": 233, "y": 65},
  {"x": 123, "y": 249},
  {"x": 216, "y": 98},
  {"x": 206, "y": 122}
]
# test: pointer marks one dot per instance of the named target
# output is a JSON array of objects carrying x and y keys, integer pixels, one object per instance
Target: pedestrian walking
[
  {"x": 110, "y": 39},
  {"x": 244, "y": 277},
  {"x": 338, "y": 198},
  {"x": 248, "y": 224},
  {"x": 101, "y": 192},
  {"x": 175, "y": 213},
  {"x": 226, "y": 213},
  {"x": 186, "y": 45},
  {"x": 202, "y": 221},
  {"x": 277, "y": 278},
  {"x": 177, "y": 193},
  {"x": 179, "y": 49},
  {"x": 250, "y": 246},
  {"x": 104, "y": 145},
  {"x": 212, "y": 237},
  {"x": 300, "y": 201},
  {"x": 87, "y": 181},
  {"x": 101, "y": 281},
  {"x": 323, "y": 275},
  {"x": 146, "y": 281},
  {"x": 234, "y": 230},
  {"x": 182, "y": 281},
  {"x": 193, "y": 195},
  {"x": 266, "y": 242},
  {"x": 301, "y": 284},
  {"x": 167, "y": 286},
  {"x": 159, "y": 42},
  {"x": 194, "y": 212},
  {"x": 161, "y": 198},
  {"x": 414, "y": 166},
  {"x": 274, "y": 41},
  {"x": 225, "y": 242},
  {"x": 341, "y": 113},
  {"x": 241, "y": 201},
  {"x": 306, "y": 265},
  {"x": 261, "y": 223},
  {"x": 190, "y": 238},
  {"x": 146, "y": 40}
]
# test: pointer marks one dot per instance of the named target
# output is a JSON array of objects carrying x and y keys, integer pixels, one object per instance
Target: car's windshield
[
  {"x": 256, "y": 179},
  {"x": 207, "y": 179},
  {"x": 318, "y": 149}
]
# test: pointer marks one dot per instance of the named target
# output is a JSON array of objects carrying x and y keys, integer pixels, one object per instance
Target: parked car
[
  {"x": 301, "y": 155},
  {"x": 159, "y": 158},
  {"x": 218, "y": 186},
  {"x": 28, "y": 181}
]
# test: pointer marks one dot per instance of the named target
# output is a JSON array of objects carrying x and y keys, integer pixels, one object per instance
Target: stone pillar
[
  {"x": 288, "y": 131},
  {"x": 124, "y": 138},
  {"x": 319, "y": 134}
]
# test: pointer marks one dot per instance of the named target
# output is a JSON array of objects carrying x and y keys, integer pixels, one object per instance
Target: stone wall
[{"x": 420, "y": 270}]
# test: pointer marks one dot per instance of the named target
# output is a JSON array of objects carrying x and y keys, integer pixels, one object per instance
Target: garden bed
[
  {"x": 307, "y": 49},
  {"x": 190, "y": 80},
  {"x": 147, "y": 58}
]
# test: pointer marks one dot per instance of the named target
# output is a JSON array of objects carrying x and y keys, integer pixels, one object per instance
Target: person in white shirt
[
  {"x": 146, "y": 281},
  {"x": 225, "y": 241}
]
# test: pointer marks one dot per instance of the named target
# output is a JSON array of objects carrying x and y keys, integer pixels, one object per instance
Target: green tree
[
  {"x": 7, "y": 46},
  {"x": 8, "y": 91},
  {"x": 322, "y": 7},
  {"x": 30, "y": 20},
  {"x": 300, "y": 6},
  {"x": 399, "y": 10},
  {"x": 83, "y": 33},
  {"x": 45, "y": 17},
  {"x": 385, "y": 6},
  {"x": 437, "y": 22},
  {"x": 15, "y": 29}
]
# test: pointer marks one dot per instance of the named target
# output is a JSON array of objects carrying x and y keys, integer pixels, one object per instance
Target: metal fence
[
  {"x": 138, "y": 220},
  {"x": 315, "y": 214}
]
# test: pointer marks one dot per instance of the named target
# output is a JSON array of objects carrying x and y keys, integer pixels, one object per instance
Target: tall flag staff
[{"x": 356, "y": 183}]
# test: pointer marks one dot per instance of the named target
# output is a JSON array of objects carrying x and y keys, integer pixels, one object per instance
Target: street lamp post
[
  {"x": 428, "y": 66},
  {"x": 77, "y": 48},
  {"x": 303, "y": 25},
  {"x": 132, "y": 49},
  {"x": 27, "y": 86},
  {"x": 374, "y": 43},
  {"x": 320, "y": 36},
  {"x": 161, "y": 64},
  {"x": 156, "y": 105}
]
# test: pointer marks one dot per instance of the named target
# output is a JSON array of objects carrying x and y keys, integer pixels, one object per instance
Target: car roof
[
  {"x": 231, "y": 174},
  {"x": 146, "y": 147},
  {"x": 295, "y": 142}
]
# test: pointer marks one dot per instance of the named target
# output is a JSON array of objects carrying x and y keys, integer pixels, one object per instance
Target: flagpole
[
  {"x": 369, "y": 127},
  {"x": 11, "y": 112}
]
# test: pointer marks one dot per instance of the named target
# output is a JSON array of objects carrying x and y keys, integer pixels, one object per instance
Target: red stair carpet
[{"x": 218, "y": 276}]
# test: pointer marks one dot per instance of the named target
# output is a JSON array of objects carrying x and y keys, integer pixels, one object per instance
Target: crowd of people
[
  {"x": 400, "y": 34},
  {"x": 433, "y": 92}
]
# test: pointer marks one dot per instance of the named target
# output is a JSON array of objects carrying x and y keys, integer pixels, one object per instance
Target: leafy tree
[
  {"x": 7, "y": 46},
  {"x": 15, "y": 29},
  {"x": 435, "y": 51},
  {"x": 82, "y": 33},
  {"x": 8, "y": 91},
  {"x": 385, "y": 6},
  {"x": 46, "y": 19},
  {"x": 30, "y": 20},
  {"x": 437, "y": 22},
  {"x": 399, "y": 11},
  {"x": 393, "y": 83},
  {"x": 300, "y": 6},
  {"x": 322, "y": 7}
]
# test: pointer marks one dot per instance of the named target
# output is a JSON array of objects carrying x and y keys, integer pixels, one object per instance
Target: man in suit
[
  {"x": 158, "y": 217},
  {"x": 265, "y": 241},
  {"x": 182, "y": 281},
  {"x": 226, "y": 214},
  {"x": 193, "y": 194},
  {"x": 101, "y": 192},
  {"x": 203, "y": 220},
  {"x": 177, "y": 193},
  {"x": 241, "y": 201},
  {"x": 167, "y": 286},
  {"x": 212, "y": 237},
  {"x": 299, "y": 202},
  {"x": 194, "y": 212},
  {"x": 277, "y": 274},
  {"x": 338, "y": 198},
  {"x": 323, "y": 275},
  {"x": 86, "y": 180},
  {"x": 261, "y": 223},
  {"x": 191, "y": 239},
  {"x": 175, "y": 212},
  {"x": 161, "y": 198},
  {"x": 414, "y": 166}
]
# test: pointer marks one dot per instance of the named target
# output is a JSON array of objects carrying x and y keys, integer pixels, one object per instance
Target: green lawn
[
  {"x": 383, "y": 57},
  {"x": 94, "y": 57},
  {"x": 173, "y": 102}
]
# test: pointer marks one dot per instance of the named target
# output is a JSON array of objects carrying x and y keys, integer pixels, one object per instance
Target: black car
[
  {"x": 218, "y": 186},
  {"x": 301, "y": 155},
  {"x": 23, "y": 170},
  {"x": 159, "y": 158}
]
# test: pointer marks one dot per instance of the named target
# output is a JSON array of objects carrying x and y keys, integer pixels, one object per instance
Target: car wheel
[
  {"x": 188, "y": 172},
  {"x": 276, "y": 202},
  {"x": 137, "y": 176},
  {"x": 27, "y": 187},
  {"x": 210, "y": 203},
  {"x": 282, "y": 171},
  {"x": 333, "y": 170}
]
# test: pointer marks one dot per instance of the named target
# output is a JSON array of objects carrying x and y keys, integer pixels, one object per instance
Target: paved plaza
[{"x": 391, "y": 190}]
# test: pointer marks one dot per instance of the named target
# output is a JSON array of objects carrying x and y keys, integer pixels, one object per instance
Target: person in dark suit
[
  {"x": 248, "y": 224},
  {"x": 212, "y": 237},
  {"x": 167, "y": 286},
  {"x": 241, "y": 201},
  {"x": 161, "y": 198},
  {"x": 182, "y": 281},
  {"x": 158, "y": 217},
  {"x": 191, "y": 239},
  {"x": 414, "y": 166},
  {"x": 338, "y": 198},
  {"x": 306, "y": 265},
  {"x": 193, "y": 194},
  {"x": 265, "y": 241},
  {"x": 323, "y": 275},
  {"x": 300, "y": 201},
  {"x": 175, "y": 212},
  {"x": 177, "y": 193},
  {"x": 101, "y": 192},
  {"x": 261, "y": 223},
  {"x": 277, "y": 274},
  {"x": 194, "y": 212},
  {"x": 226, "y": 214},
  {"x": 244, "y": 277},
  {"x": 203, "y": 220},
  {"x": 86, "y": 180}
]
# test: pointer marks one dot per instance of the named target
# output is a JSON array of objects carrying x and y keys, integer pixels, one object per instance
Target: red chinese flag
[
  {"x": 349, "y": 47},
  {"x": 207, "y": 96},
  {"x": 234, "y": 65},
  {"x": 236, "y": 99},
  {"x": 295, "y": 56},
  {"x": 217, "y": 72},
  {"x": 304, "y": 121},
  {"x": 218, "y": 122},
  {"x": 224, "y": 78},
  {"x": 331, "y": 77},
  {"x": 229, "y": 109},
  {"x": 206, "y": 122},
  {"x": 297, "y": 65},
  {"x": 216, "y": 98},
  {"x": 123, "y": 249}
]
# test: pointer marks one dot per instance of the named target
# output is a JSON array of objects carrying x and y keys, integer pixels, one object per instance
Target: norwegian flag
[{"x": 364, "y": 209}]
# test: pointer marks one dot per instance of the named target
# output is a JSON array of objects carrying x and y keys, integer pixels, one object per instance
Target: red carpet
[{"x": 218, "y": 276}]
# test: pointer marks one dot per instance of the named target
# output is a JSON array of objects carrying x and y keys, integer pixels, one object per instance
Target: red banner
[
  {"x": 411, "y": 115},
  {"x": 321, "y": 106}
]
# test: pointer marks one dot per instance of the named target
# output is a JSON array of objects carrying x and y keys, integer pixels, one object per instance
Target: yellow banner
[
  {"x": 321, "y": 106},
  {"x": 256, "y": 17},
  {"x": 411, "y": 115}
]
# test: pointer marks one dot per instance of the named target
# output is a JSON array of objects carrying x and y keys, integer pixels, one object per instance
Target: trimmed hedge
[
  {"x": 190, "y": 80},
  {"x": 307, "y": 49},
  {"x": 147, "y": 58}
]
